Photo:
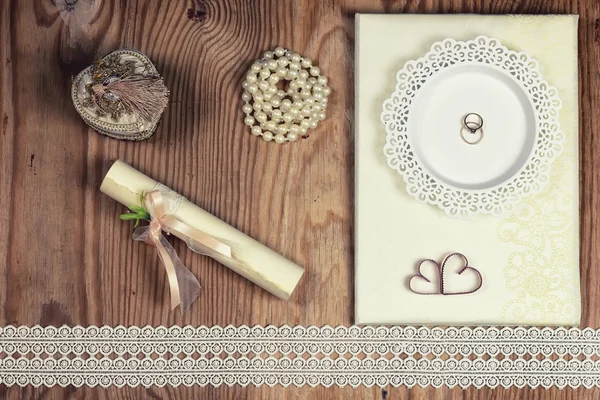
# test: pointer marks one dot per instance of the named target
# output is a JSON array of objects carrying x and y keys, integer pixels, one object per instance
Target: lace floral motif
[
  {"x": 532, "y": 178},
  {"x": 354, "y": 356},
  {"x": 541, "y": 273}
]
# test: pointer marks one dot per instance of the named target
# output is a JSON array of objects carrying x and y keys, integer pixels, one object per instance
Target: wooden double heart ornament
[{"x": 453, "y": 276}]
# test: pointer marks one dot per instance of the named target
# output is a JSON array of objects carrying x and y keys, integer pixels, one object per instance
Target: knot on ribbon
[{"x": 184, "y": 286}]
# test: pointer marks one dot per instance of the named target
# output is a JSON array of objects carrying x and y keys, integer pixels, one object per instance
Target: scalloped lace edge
[{"x": 297, "y": 355}]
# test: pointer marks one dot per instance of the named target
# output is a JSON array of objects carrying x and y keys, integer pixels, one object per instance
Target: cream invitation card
[{"x": 419, "y": 259}]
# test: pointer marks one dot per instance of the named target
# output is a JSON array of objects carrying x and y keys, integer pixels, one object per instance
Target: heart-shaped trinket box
[{"x": 121, "y": 95}]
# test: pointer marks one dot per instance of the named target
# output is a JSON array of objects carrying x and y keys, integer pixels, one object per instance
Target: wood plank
[{"x": 65, "y": 257}]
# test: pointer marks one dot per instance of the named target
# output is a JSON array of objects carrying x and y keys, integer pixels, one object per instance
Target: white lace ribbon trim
[{"x": 369, "y": 356}]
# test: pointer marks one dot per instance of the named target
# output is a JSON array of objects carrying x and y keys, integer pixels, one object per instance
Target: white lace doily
[
  {"x": 460, "y": 202},
  {"x": 328, "y": 356}
]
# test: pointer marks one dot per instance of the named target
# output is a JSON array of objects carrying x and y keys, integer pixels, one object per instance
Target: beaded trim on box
[{"x": 312, "y": 356}]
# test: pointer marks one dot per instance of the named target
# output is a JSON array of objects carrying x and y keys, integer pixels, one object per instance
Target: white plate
[
  {"x": 424, "y": 118},
  {"x": 436, "y": 122}
]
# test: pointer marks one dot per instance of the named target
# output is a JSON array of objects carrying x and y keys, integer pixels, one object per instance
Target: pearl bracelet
[{"x": 284, "y": 114}]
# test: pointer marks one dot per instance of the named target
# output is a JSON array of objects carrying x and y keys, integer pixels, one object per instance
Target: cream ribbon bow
[{"x": 184, "y": 286}]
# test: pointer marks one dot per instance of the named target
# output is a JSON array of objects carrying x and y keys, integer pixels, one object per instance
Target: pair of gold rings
[{"x": 472, "y": 132}]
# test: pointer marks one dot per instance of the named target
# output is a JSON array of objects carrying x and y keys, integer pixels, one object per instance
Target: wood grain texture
[{"x": 65, "y": 258}]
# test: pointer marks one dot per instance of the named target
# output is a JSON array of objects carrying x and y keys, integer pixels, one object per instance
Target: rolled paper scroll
[{"x": 209, "y": 235}]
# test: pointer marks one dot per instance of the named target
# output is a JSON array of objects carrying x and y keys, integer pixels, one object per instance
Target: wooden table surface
[{"x": 66, "y": 258}]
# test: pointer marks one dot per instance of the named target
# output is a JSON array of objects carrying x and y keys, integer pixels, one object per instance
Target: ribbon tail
[
  {"x": 183, "y": 285},
  {"x": 198, "y": 241}
]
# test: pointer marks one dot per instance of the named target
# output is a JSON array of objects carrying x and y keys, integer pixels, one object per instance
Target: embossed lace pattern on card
[{"x": 301, "y": 356}]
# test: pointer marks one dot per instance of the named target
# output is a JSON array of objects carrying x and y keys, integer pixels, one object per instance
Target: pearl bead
[
  {"x": 249, "y": 121},
  {"x": 293, "y": 85},
  {"x": 265, "y": 73},
  {"x": 283, "y": 61},
  {"x": 281, "y": 71},
  {"x": 322, "y": 80},
  {"x": 256, "y": 67},
  {"x": 246, "y": 96},
  {"x": 297, "y": 97},
  {"x": 305, "y": 124},
  {"x": 321, "y": 116},
  {"x": 303, "y": 74},
  {"x": 271, "y": 126},
  {"x": 252, "y": 88},
  {"x": 310, "y": 101},
  {"x": 275, "y": 102},
  {"x": 258, "y": 97},
  {"x": 277, "y": 114},
  {"x": 312, "y": 81},
  {"x": 294, "y": 111},
  {"x": 263, "y": 85},
  {"x": 268, "y": 95},
  {"x": 273, "y": 90},
  {"x": 294, "y": 129},
  {"x": 267, "y": 107},
  {"x": 295, "y": 57},
  {"x": 318, "y": 96},
  {"x": 292, "y": 137},
  {"x": 317, "y": 88},
  {"x": 280, "y": 138},
  {"x": 268, "y": 55},
  {"x": 295, "y": 65},
  {"x": 282, "y": 129},
  {"x": 315, "y": 71},
  {"x": 247, "y": 108},
  {"x": 286, "y": 104},
  {"x": 257, "y": 106},
  {"x": 272, "y": 65},
  {"x": 306, "y": 62},
  {"x": 306, "y": 111},
  {"x": 281, "y": 94},
  {"x": 298, "y": 103},
  {"x": 313, "y": 124},
  {"x": 303, "y": 130},
  {"x": 292, "y": 74},
  {"x": 256, "y": 131},
  {"x": 261, "y": 117},
  {"x": 287, "y": 118},
  {"x": 326, "y": 90},
  {"x": 267, "y": 136},
  {"x": 273, "y": 79},
  {"x": 245, "y": 85},
  {"x": 251, "y": 78},
  {"x": 279, "y": 51},
  {"x": 301, "y": 82}
]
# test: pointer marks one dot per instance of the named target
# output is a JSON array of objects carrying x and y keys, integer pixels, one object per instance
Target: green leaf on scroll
[{"x": 136, "y": 213}]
